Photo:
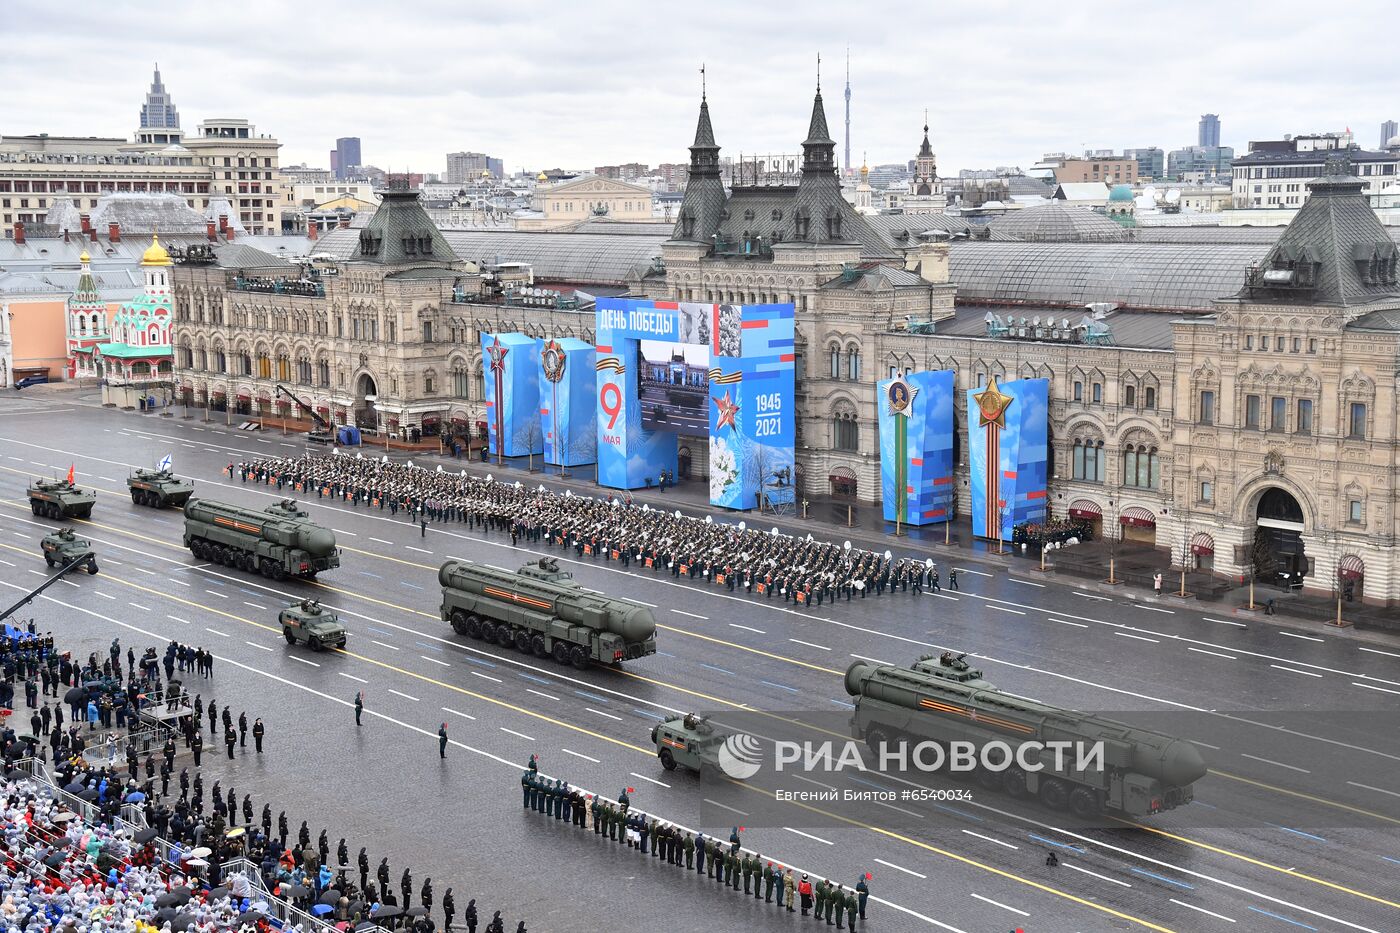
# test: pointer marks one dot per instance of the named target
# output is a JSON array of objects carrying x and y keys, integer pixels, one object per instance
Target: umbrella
[
  {"x": 174, "y": 898},
  {"x": 385, "y": 913},
  {"x": 220, "y": 891},
  {"x": 329, "y": 896},
  {"x": 145, "y": 835},
  {"x": 251, "y": 916},
  {"x": 295, "y": 890},
  {"x": 416, "y": 912},
  {"x": 201, "y": 852},
  {"x": 63, "y": 816},
  {"x": 166, "y": 913},
  {"x": 76, "y": 695},
  {"x": 55, "y": 860},
  {"x": 365, "y": 928},
  {"x": 183, "y": 921},
  {"x": 77, "y": 787},
  {"x": 90, "y": 794},
  {"x": 135, "y": 797},
  {"x": 197, "y": 863},
  {"x": 320, "y": 910},
  {"x": 355, "y": 905}
]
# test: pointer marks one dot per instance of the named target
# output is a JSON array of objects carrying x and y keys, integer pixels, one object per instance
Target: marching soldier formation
[
  {"x": 799, "y": 570},
  {"x": 724, "y": 863}
]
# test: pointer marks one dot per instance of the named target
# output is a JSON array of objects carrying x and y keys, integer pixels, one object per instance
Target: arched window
[
  {"x": 220, "y": 360},
  {"x": 845, "y": 430},
  {"x": 323, "y": 373},
  {"x": 1149, "y": 397},
  {"x": 1088, "y": 460},
  {"x": 304, "y": 370},
  {"x": 1140, "y": 467},
  {"x": 853, "y": 363},
  {"x": 264, "y": 365},
  {"x": 284, "y": 368},
  {"x": 835, "y": 352},
  {"x": 82, "y": 325},
  {"x": 461, "y": 380},
  {"x": 245, "y": 364}
]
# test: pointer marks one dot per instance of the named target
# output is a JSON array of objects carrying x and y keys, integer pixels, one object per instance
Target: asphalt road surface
[{"x": 1285, "y": 854}]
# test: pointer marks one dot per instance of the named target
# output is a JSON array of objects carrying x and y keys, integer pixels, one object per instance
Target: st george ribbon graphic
[
  {"x": 1007, "y": 439},
  {"x": 916, "y": 447}
]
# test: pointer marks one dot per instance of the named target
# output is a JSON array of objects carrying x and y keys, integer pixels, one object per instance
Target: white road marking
[
  {"x": 1155, "y": 609},
  {"x": 1225, "y": 622},
  {"x": 648, "y": 605},
  {"x": 382, "y": 645},
  {"x": 65, "y": 582},
  {"x": 901, "y": 868},
  {"x": 1065, "y": 622},
  {"x": 303, "y": 660},
  {"x": 1228, "y": 657},
  {"x": 1295, "y": 635},
  {"x": 941, "y": 596},
  {"x": 404, "y": 695},
  {"x": 216, "y": 593},
  {"x": 601, "y": 713},
  {"x": 1270, "y": 761},
  {"x": 256, "y": 645},
  {"x": 965, "y": 570},
  {"x": 861, "y": 657},
  {"x": 809, "y": 644},
  {"x": 434, "y": 660},
  {"x": 990, "y": 839},
  {"x": 798, "y": 832},
  {"x": 1209, "y": 913},
  {"x": 691, "y": 614},
  {"x": 216, "y": 632},
  {"x": 1004, "y": 609},
  {"x": 1026, "y": 582},
  {"x": 652, "y": 780},
  {"x": 1139, "y": 637},
  {"x": 1101, "y": 877},
  {"x": 139, "y": 606},
  {"x": 539, "y": 694},
  {"x": 1370, "y": 687},
  {"x": 1294, "y": 671},
  {"x": 342, "y": 531},
  {"x": 723, "y": 806},
  {"x": 254, "y": 605},
  {"x": 149, "y": 573},
  {"x": 513, "y": 732},
  {"x": 999, "y": 904},
  {"x": 100, "y": 593},
  {"x": 6, "y": 563},
  {"x": 352, "y": 677},
  {"x": 382, "y": 541},
  {"x": 178, "y": 619},
  {"x": 1204, "y": 744},
  {"x": 486, "y": 676},
  {"x": 1391, "y": 654},
  {"x": 570, "y": 751},
  {"x": 1379, "y": 790},
  {"x": 455, "y": 712},
  {"x": 418, "y": 549},
  {"x": 747, "y": 628}
]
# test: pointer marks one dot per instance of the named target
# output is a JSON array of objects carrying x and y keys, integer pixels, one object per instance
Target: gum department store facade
[{"x": 1210, "y": 428}]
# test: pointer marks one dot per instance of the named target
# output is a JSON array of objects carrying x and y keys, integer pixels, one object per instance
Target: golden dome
[
  {"x": 85, "y": 258},
  {"x": 486, "y": 173},
  {"x": 155, "y": 254},
  {"x": 541, "y": 177}
]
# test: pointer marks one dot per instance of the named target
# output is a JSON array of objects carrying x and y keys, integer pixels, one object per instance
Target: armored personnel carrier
[
  {"x": 307, "y": 623},
  {"x": 63, "y": 548},
  {"x": 60, "y": 498},
  {"x": 158, "y": 488},
  {"x": 687, "y": 741}
]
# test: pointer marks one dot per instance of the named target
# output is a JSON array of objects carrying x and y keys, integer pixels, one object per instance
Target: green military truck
[
  {"x": 542, "y": 610},
  {"x": 687, "y": 741},
  {"x": 278, "y": 542},
  {"x": 60, "y": 498},
  {"x": 307, "y": 623},
  {"x": 65, "y": 549},
  {"x": 158, "y": 489}
]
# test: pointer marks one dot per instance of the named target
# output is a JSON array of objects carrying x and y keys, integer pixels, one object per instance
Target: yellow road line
[
  {"x": 815, "y": 667},
  {"x": 649, "y": 753}
]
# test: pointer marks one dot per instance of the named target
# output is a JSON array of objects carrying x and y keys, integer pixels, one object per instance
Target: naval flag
[{"x": 165, "y": 462}]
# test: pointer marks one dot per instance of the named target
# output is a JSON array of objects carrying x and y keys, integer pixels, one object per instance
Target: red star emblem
[
  {"x": 727, "y": 410},
  {"x": 498, "y": 356}
]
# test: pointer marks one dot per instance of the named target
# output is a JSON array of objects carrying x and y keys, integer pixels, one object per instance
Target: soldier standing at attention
[
  {"x": 242, "y": 730},
  {"x": 359, "y": 706},
  {"x": 838, "y": 898},
  {"x": 442, "y": 740},
  {"x": 768, "y": 883},
  {"x": 819, "y": 890},
  {"x": 830, "y": 901},
  {"x": 746, "y": 866},
  {"x": 852, "y": 903},
  {"x": 230, "y": 740},
  {"x": 258, "y": 732},
  {"x": 699, "y": 853},
  {"x": 789, "y": 890},
  {"x": 863, "y": 889},
  {"x": 197, "y": 746},
  {"x": 689, "y": 847}
]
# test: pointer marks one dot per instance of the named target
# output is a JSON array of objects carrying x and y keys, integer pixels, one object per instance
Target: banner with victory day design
[
  {"x": 916, "y": 447},
  {"x": 1007, "y": 431}
]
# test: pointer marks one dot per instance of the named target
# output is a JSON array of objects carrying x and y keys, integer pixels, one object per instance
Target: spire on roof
[
  {"x": 925, "y": 149},
  {"x": 818, "y": 149}
]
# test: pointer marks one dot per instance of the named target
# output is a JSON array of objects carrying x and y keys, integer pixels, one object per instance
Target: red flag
[
  {"x": 70, "y": 472},
  {"x": 631, "y": 790}
]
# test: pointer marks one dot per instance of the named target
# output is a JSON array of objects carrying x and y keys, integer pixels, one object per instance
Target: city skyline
[{"x": 980, "y": 115}]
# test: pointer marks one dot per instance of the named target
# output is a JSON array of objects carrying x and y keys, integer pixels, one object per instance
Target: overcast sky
[{"x": 599, "y": 81}]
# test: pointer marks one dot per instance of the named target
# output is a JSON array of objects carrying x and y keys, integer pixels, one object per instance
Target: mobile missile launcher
[
  {"x": 1143, "y": 772},
  {"x": 59, "y": 498},
  {"x": 278, "y": 542},
  {"x": 63, "y": 548},
  {"x": 687, "y": 741},
  {"x": 540, "y": 610},
  {"x": 158, "y": 488},
  {"x": 306, "y": 622}
]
